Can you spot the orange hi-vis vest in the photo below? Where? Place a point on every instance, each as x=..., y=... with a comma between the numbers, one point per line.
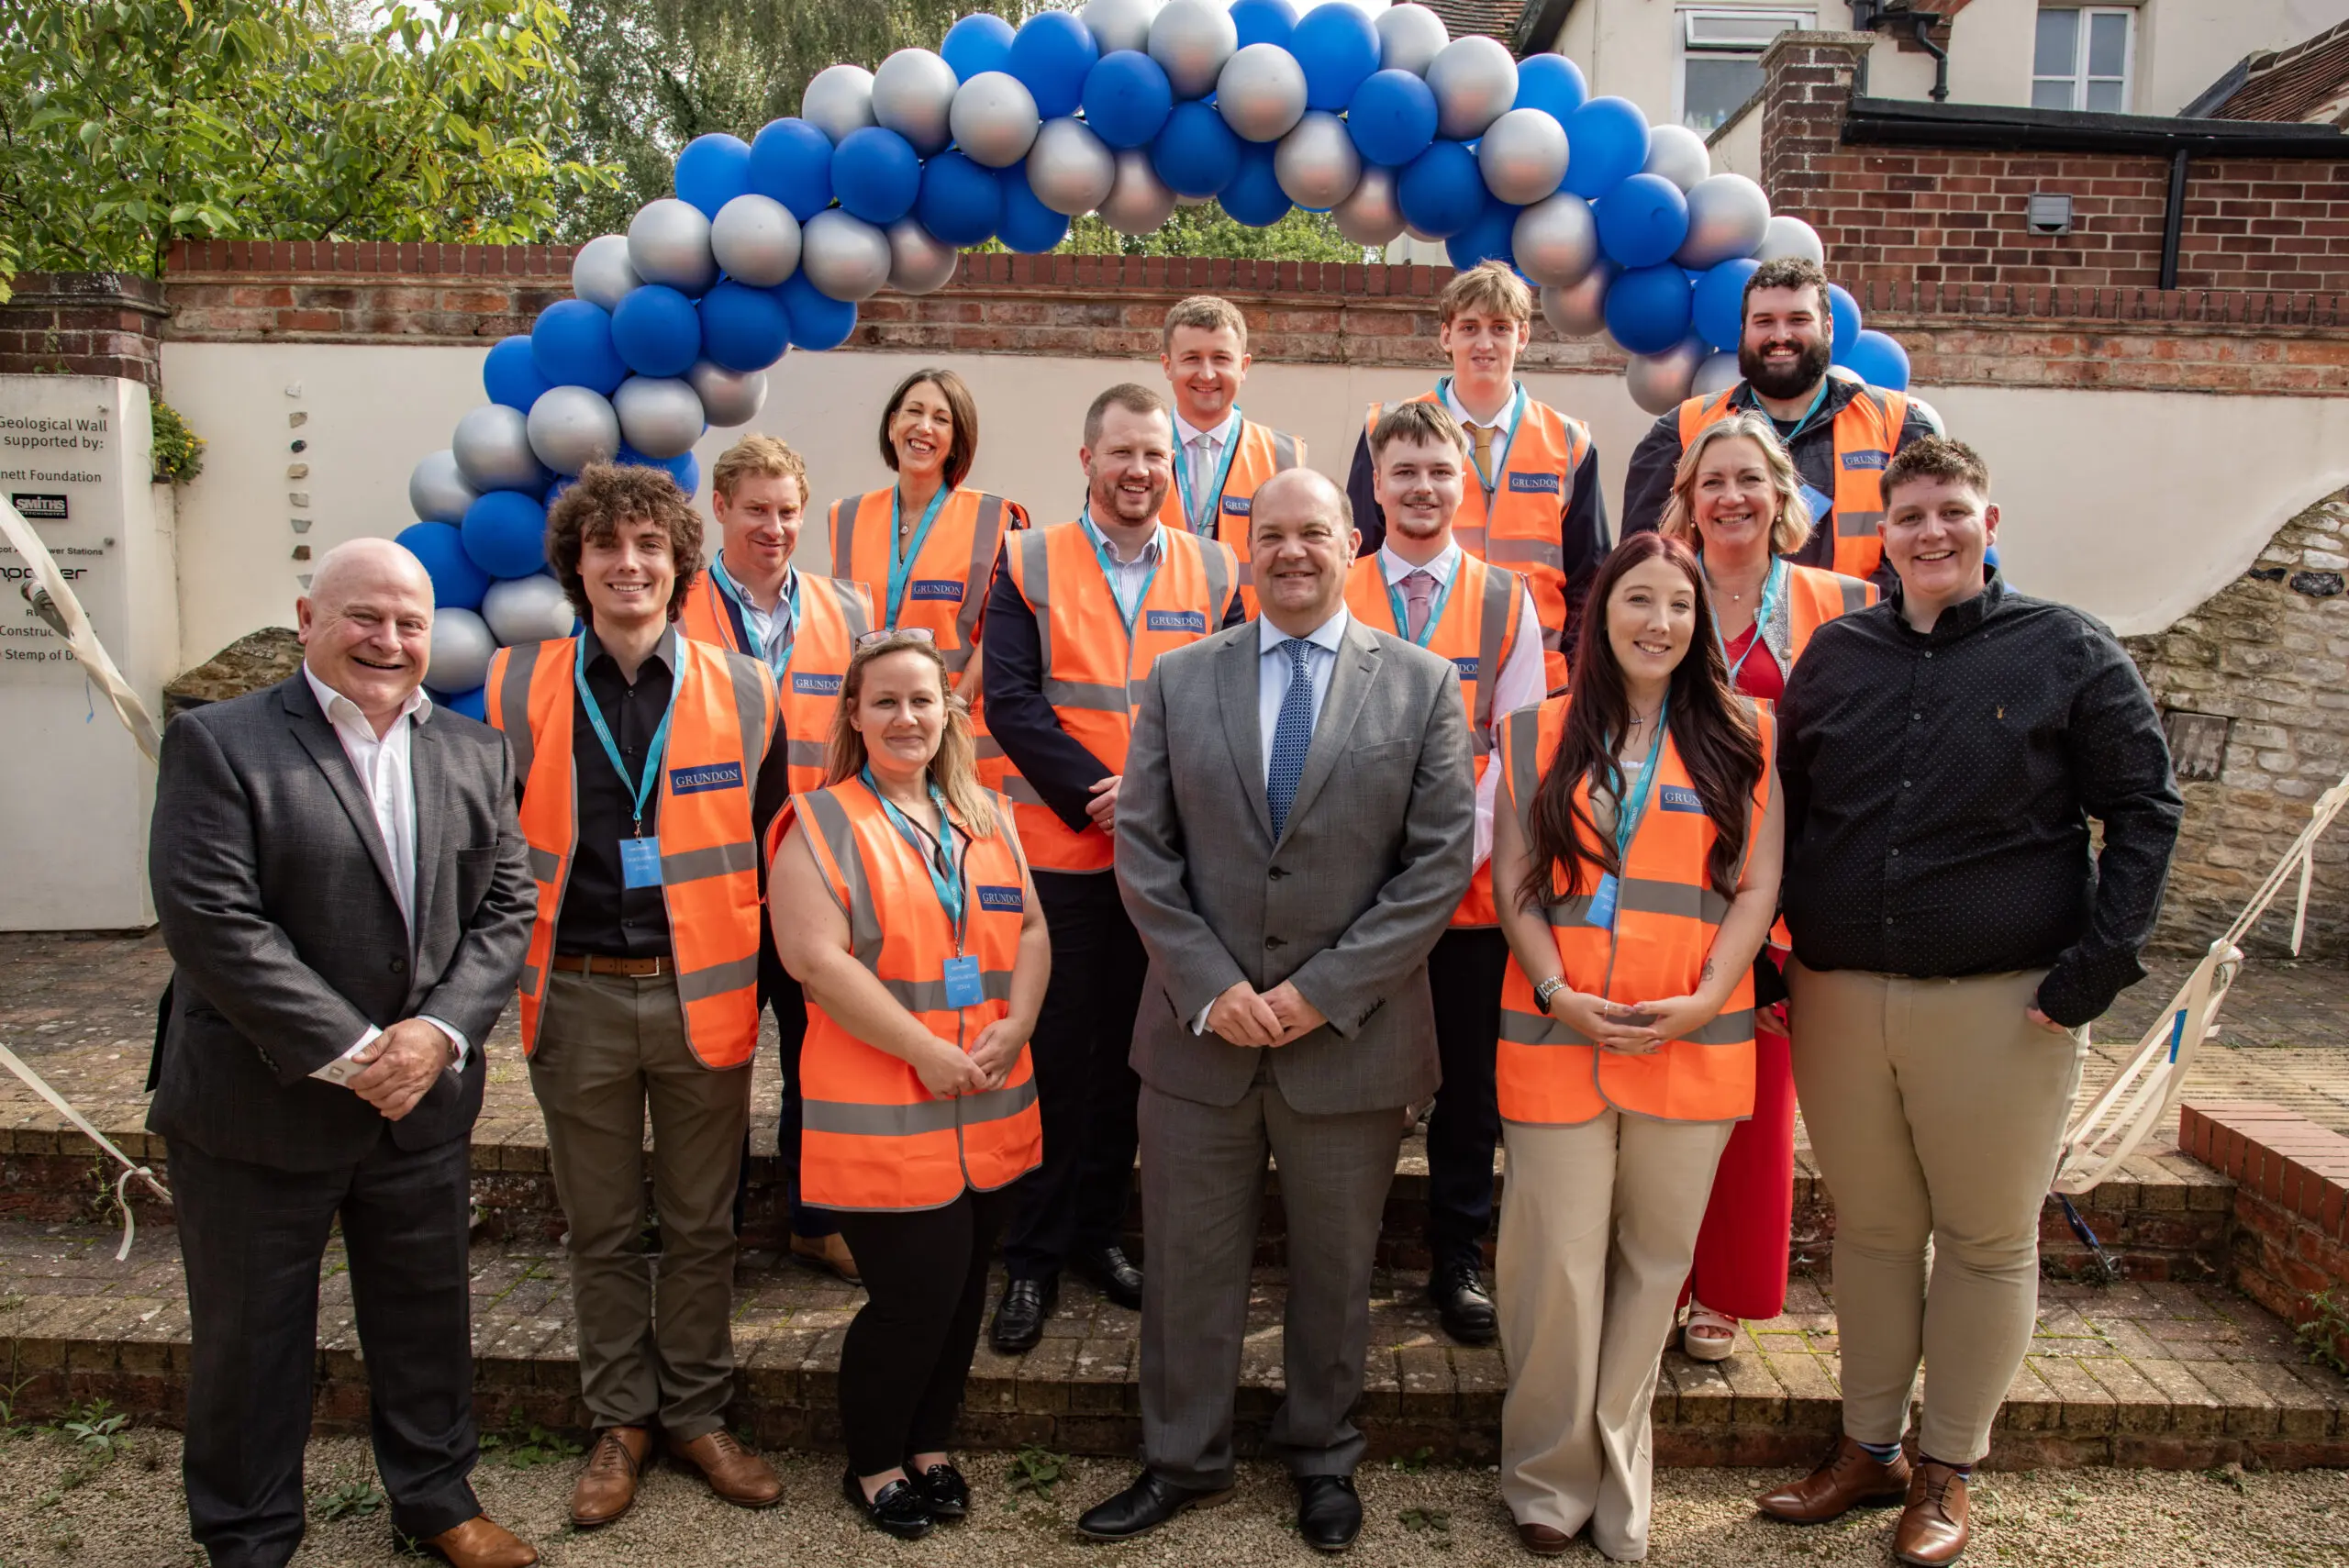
x=719, y=732
x=1094, y=667
x=1478, y=631
x=872, y=1137
x=1668, y=915
x=1815, y=597
x=1516, y=523
x=1866, y=432
x=833, y=613
x=1259, y=453
x=947, y=587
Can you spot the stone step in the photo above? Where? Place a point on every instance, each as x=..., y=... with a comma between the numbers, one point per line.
x=2152, y=1374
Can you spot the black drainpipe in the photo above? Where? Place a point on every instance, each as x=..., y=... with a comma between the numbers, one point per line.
x=2174, y=219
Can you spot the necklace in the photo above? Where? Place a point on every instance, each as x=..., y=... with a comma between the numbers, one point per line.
x=1739, y=598
x=1639, y=721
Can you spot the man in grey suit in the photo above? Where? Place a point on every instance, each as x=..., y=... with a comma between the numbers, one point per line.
x=1289, y=865
x=344, y=890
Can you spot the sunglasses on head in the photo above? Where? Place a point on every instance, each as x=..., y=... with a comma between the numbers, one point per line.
x=919, y=633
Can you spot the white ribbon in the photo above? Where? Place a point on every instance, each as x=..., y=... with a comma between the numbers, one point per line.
x=130, y=1168
x=75, y=626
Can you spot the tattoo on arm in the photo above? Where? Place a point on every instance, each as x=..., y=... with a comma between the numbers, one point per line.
x=1707, y=974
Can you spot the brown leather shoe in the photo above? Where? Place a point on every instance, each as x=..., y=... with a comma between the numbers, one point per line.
x=1933, y=1526
x=733, y=1471
x=829, y=1255
x=1544, y=1541
x=606, y=1487
x=480, y=1542
x=1849, y=1478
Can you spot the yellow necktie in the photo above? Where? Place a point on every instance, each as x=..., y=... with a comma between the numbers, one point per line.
x=1484, y=437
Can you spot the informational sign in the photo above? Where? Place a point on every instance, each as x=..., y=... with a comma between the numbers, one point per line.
x=60, y=464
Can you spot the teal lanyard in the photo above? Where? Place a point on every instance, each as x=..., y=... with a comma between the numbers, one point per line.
x=1435, y=610
x=1490, y=482
x=1108, y=560
x=938, y=858
x=1771, y=583
x=641, y=788
x=1825, y=383
x=732, y=590
x=901, y=566
x=1200, y=522
x=1628, y=813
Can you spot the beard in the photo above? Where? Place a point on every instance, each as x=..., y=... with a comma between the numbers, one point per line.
x=1788, y=383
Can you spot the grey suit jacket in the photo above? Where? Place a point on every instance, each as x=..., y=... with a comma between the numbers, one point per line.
x=1346, y=904
x=273, y=888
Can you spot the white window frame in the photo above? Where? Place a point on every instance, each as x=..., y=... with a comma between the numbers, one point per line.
x=1687, y=46
x=2078, y=81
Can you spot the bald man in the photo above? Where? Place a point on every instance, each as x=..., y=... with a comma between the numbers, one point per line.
x=345, y=892
x=1289, y=866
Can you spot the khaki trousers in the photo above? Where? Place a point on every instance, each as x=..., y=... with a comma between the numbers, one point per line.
x=1599, y=1223
x=1936, y=1110
x=655, y=1345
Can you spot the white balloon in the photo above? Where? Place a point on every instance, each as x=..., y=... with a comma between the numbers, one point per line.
x=1579, y=310
x=1719, y=373
x=1070, y=169
x=727, y=398
x=1370, y=214
x=846, y=258
x=1522, y=156
x=1660, y=383
x=1260, y=93
x=668, y=242
x=1191, y=39
x=492, y=446
x=601, y=274
x=1557, y=241
x=1845, y=373
x=1317, y=164
x=1927, y=414
x=571, y=427
x=912, y=93
x=1790, y=236
x=1409, y=38
x=437, y=490
x=1678, y=153
x=839, y=100
x=1474, y=81
x=1139, y=202
x=993, y=119
x=659, y=415
x=756, y=239
x=460, y=650
x=1119, y=24
x=1728, y=215
x=919, y=262
x=523, y=610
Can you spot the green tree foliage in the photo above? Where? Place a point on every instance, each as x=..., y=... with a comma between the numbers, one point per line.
x=128, y=124
x=1208, y=230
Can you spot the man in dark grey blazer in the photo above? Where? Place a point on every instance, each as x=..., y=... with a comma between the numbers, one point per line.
x=344, y=890
x=1289, y=865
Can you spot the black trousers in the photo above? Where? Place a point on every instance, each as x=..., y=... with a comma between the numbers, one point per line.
x=781, y=992
x=1465, y=974
x=252, y=1239
x=1086, y=1087
x=908, y=1352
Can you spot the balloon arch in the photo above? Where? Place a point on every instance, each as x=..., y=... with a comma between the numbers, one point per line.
x=1127, y=108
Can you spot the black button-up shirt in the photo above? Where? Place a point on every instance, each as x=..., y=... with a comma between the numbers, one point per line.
x=1939, y=786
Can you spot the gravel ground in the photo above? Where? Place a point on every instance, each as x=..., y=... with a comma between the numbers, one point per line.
x=60, y=1503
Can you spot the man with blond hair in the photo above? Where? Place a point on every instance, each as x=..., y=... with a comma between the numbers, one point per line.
x=1221, y=457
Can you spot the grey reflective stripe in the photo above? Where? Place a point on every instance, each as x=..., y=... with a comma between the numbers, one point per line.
x=1283, y=449
x=1645, y=895
x=1218, y=580
x=1537, y=1029
x=749, y=677
x=721, y=860
x=1021, y=791
x=1856, y=595
x=987, y=748
x=805, y=753
x=1520, y=738
x=1726, y=1029
x=1247, y=575
x=532, y=975
x=1856, y=525
x=844, y=536
x=923, y=1116
x=1085, y=694
x=513, y=706
x=851, y=607
x=1491, y=628
x=929, y=995
x=1470, y=537
x=1035, y=586
x=545, y=864
x=1527, y=553
x=718, y=978
x=839, y=838
x=1572, y=910
x=986, y=533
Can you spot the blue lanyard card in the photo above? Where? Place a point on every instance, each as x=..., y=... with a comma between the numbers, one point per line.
x=962, y=987
x=639, y=863
x=1602, y=903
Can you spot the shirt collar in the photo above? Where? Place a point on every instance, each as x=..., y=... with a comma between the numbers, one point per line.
x=1150, y=550
x=664, y=653
x=733, y=590
x=1327, y=634
x=1185, y=432
x=1452, y=405
x=1442, y=568
x=340, y=709
x=1958, y=619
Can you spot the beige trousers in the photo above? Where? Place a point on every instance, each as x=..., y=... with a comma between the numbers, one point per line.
x=1936, y=1109
x=1599, y=1223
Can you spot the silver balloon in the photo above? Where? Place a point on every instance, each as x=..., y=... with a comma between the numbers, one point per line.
x=1070, y=169
x=1678, y=153
x=601, y=274
x=1927, y=414
x=1718, y=373
x=460, y=650
x=668, y=242
x=1316, y=163
x=1845, y=373
x=844, y=257
x=1728, y=215
x=1660, y=383
x=523, y=610
x=1191, y=39
x=492, y=446
x=1557, y=241
x=660, y=415
x=1119, y=24
x=1409, y=38
x=993, y=119
x=727, y=398
x=756, y=239
x=1182, y=200
x=919, y=262
x=1523, y=156
x=1138, y=203
x=1421, y=235
x=1579, y=310
x=572, y=427
x=1790, y=237
x=437, y=490
x=838, y=100
x=1260, y=93
x=912, y=93
x=1370, y=214
x=1474, y=81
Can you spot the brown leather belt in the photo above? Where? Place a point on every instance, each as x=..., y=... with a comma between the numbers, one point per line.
x=627, y=968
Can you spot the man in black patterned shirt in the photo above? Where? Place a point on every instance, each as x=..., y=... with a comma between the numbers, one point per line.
x=1941, y=754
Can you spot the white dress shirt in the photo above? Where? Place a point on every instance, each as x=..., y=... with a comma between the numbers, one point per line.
x=1272, y=674
x=1202, y=453
x=1503, y=437
x=1128, y=580
x=770, y=630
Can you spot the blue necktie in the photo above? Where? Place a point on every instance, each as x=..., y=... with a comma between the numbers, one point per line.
x=1292, y=735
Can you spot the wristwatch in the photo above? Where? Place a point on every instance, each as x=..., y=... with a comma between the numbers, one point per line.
x=1549, y=988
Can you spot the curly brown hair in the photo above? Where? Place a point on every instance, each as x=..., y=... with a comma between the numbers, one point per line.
x=606, y=495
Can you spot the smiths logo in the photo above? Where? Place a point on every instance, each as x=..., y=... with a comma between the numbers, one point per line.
x=938, y=589
x=1533, y=483
x=1237, y=506
x=815, y=685
x=1863, y=459
x=1678, y=799
x=700, y=781
x=1003, y=900
x=1176, y=620
x=1467, y=667
x=40, y=508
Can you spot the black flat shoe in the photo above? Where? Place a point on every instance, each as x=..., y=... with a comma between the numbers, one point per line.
x=943, y=1491
x=1463, y=1305
x=1019, y=1316
x=897, y=1509
x=1110, y=1268
x=1143, y=1506
x=1329, y=1514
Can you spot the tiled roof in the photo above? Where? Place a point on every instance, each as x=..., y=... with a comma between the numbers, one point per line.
x=2309, y=82
x=1494, y=18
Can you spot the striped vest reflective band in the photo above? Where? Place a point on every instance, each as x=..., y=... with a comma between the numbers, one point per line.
x=947, y=590
x=1092, y=668
x=1478, y=634
x=1866, y=431
x=1815, y=597
x=1666, y=918
x=710, y=870
x=1262, y=453
x=872, y=1137
x=833, y=613
x=1530, y=498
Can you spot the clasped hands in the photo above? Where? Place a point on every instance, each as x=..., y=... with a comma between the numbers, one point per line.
x=1606, y=1024
x=401, y=1066
x=946, y=1072
x=1245, y=1015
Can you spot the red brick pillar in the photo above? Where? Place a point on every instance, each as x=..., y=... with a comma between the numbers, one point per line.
x=84, y=324
x=1806, y=87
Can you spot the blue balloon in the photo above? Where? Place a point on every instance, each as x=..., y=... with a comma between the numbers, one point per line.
x=657, y=331
x=743, y=329
x=1552, y=84
x=473, y=705
x=1194, y=153
x=1338, y=46
x=792, y=161
x=571, y=343
x=713, y=170
x=1051, y=55
x=1264, y=21
x=682, y=468
x=510, y=377
x=877, y=174
x=1847, y=312
x=960, y=202
x=1647, y=308
x=1254, y=195
x=1442, y=191
x=505, y=534
x=1027, y=226
x=1878, y=360
x=978, y=43
x=1488, y=238
x=817, y=320
x=1392, y=117
x=457, y=582
x=1720, y=304
x=1126, y=98
x=1642, y=220
x=1609, y=139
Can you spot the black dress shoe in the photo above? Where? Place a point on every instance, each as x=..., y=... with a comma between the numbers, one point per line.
x=1329, y=1514
x=1110, y=1268
x=896, y=1509
x=1019, y=1316
x=1460, y=1301
x=942, y=1488
x=1150, y=1502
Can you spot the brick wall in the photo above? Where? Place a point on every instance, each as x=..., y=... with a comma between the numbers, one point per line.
x=84, y=324
x=2291, y=1240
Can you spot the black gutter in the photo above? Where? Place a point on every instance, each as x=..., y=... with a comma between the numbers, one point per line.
x=1894, y=122
x=1538, y=26
x=2174, y=218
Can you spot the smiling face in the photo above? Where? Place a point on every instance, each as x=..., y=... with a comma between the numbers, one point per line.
x=1301, y=547
x=901, y=711
x=921, y=430
x=1419, y=484
x=1935, y=533
x=1130, y=467
x=1206, y=366
x=1651, y=620
x=760, y=521
x=1482, y=346
x=1787, y=341
x=366, y=625
x=629, y=575
x=1732, y=496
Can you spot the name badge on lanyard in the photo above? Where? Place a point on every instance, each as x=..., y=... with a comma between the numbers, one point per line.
x=639, y=863
x=962, y=987
x=640, y=854
x=1605, y=897
x=1200, y=511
